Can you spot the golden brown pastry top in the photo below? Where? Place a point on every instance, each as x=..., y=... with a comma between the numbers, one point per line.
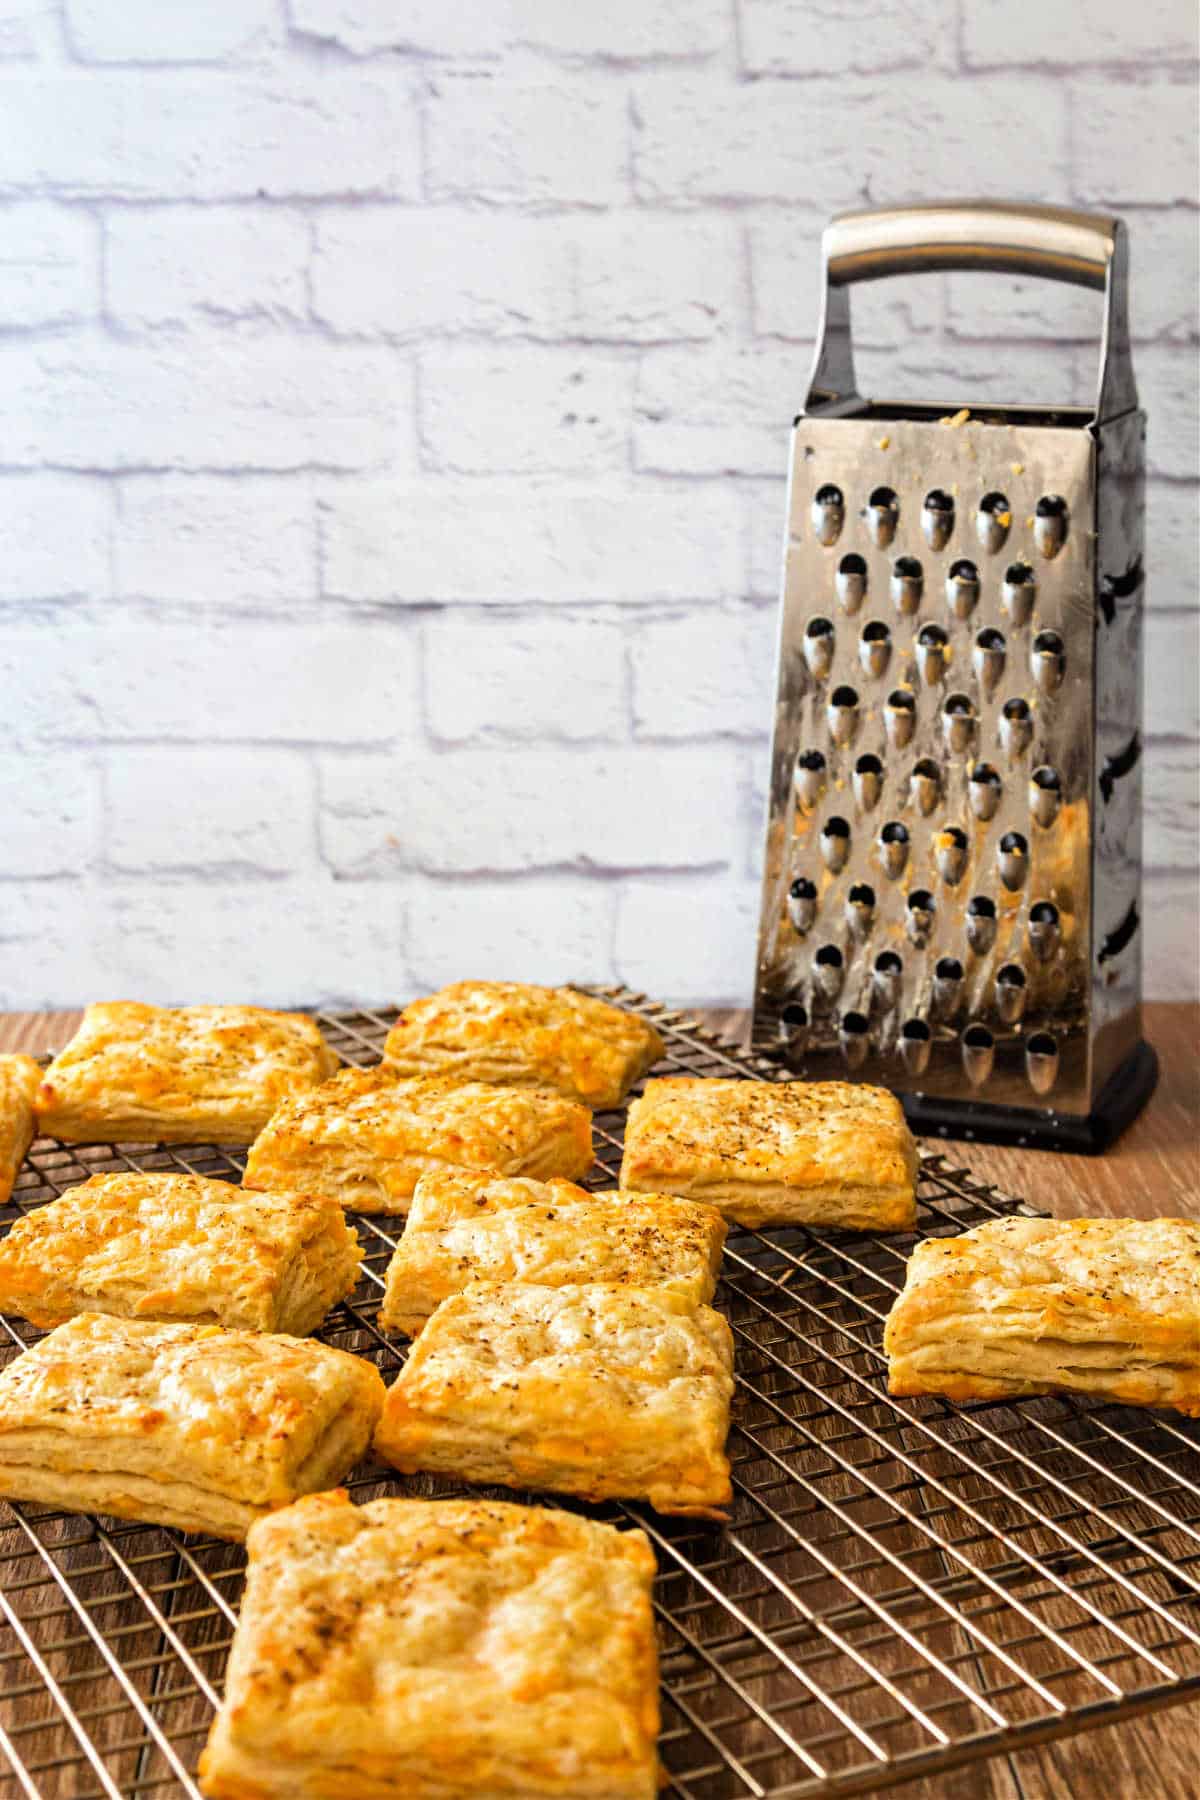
x=465, y=1226
x=623, y=1390
x=160, y=1246
x=19, y=1080
x=510, y=1032
x=175, y=1070
x=425, y=1122
x=442, y=1641
x=1079, y=1280
x=238, y=1409
x=20, y=1077
x=795, y=1133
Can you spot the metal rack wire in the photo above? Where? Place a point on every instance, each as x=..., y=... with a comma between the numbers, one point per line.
x=904, y=1586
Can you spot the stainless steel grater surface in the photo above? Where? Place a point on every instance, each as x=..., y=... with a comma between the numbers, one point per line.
x=952, y=887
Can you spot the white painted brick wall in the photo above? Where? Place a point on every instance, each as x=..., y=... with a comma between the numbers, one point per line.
x=393, y=420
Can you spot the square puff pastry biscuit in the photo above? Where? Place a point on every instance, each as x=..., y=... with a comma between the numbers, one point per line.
x=439, y=1650
x=1027, y=1306
x=466, y=1227
x=776, y=1153
x=178, y=1075
x=366, y=1136
x=508, y=1032
x=180, y=1247
x=604, y=1392
x=19, y=1081
x=182, y=1425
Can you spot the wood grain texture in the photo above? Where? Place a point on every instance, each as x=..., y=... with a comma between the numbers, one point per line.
x=1154, y=1170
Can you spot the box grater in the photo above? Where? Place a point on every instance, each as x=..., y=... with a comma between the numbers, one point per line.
x=952, y=884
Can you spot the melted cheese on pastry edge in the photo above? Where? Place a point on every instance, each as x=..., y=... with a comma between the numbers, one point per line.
x=163, y=1246
x=19, y=1081
x=515, y=1034
x=506, y=1650
x=249, y=1418
x=190, y=1074
x=368, y=1135
x=590, y=1390
x=1103, y=1306
x=827, y=1152
x=468, y=1227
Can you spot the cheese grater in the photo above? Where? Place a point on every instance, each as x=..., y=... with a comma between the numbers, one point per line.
x=952, y=884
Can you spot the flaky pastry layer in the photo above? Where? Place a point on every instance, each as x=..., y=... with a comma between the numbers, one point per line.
x=439, y=1650
x=466, y=1227
x=1028, y=1306
x=19, y=1081
x=178, y=1075
x=368, y=1135
x=515, y=1034
x=155, y=1246
x=184, y=1425
x=788, y=1152
x=590, y=1390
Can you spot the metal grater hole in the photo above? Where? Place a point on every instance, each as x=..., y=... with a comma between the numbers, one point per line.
x=1045, y=794
x=883, y=514
x=937, y=518
x=1045, y=930
x=868, y=781
x=829, y=971
x=1016, y=726
x=874, y=647
x=828, y=513
x=802, y=904
x=958, y=723
x=842, y=714
x=835, y=844
x=950, y=854
x=1012, y=860
x=915, y=1045
x=793, y=1022
x=1018, y=592
x=853, y=1039
x=978, y=1054
x=919, y=909
x=899, y=717
x=886, y=977
x=1048, y=661
x=985, y=791
x=1050, y=524
x=993, y=521
x=962, y=588
x=925, y=785
x=947, y=986
x=851, y=582
x=981, y=923
x=893, y=846
x=988, y=657
x=1012, y=991
x=932, y=653
x=860, y=909
x=908, y=584
x=808, y=778
x=818, y=647
x=1041, y=1062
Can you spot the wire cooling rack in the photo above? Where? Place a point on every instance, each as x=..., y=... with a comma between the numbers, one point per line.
x=903, y=1587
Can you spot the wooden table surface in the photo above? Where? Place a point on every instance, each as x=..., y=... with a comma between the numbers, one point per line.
x=1153, y=1170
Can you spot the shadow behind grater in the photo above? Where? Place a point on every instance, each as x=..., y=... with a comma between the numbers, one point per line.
x=952, y=886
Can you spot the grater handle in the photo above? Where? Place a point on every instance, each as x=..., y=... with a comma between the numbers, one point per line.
x=1050, y=242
